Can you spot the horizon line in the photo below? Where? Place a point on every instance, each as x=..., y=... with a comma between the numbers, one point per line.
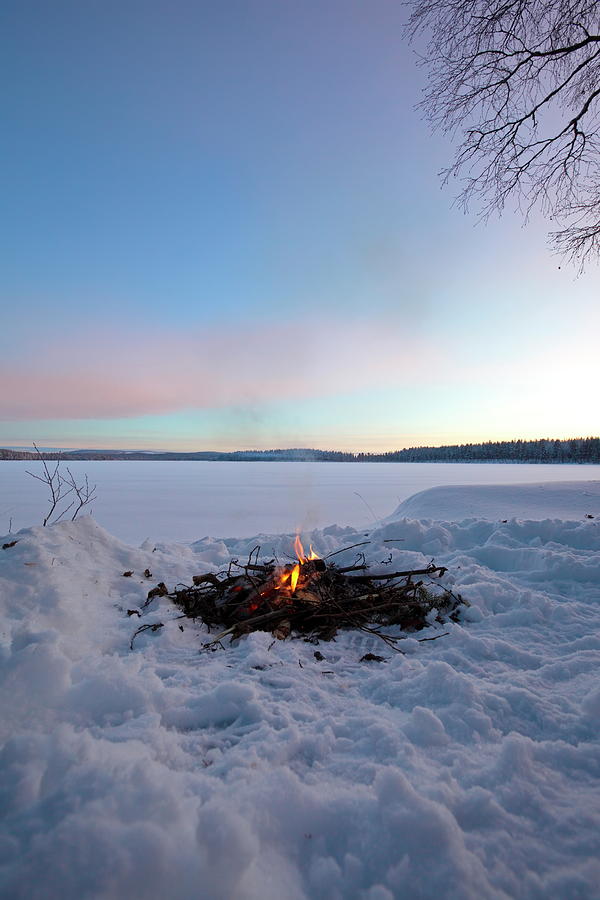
x=58, y=450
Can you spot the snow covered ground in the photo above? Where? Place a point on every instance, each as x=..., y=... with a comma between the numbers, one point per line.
x=465, y=767
x=181, y=501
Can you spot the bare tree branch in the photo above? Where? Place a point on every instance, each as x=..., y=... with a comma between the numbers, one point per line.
x=61, y=487
x=519, y=81
x=84, y=493
x=58, y=489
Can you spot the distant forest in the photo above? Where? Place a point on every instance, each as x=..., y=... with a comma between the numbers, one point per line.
x=545, y=450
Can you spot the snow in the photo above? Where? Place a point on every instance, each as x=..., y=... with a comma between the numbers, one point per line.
x=179, y=501
x=564, y=500
x=465, y=767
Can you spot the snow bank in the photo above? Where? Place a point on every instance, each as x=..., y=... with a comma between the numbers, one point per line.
x=560, y=500
x=466, y=767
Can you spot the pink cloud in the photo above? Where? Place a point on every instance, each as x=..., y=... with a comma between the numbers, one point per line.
x=131, y=374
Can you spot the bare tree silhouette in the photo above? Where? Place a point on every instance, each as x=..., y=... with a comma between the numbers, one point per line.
x=519, y=80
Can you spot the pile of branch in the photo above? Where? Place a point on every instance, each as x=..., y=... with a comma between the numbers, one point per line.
x=250, y=597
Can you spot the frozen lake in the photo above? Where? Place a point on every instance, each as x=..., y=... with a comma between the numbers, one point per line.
x=184, y=501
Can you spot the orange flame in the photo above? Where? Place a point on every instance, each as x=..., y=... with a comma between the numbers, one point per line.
x=301, y=553
x=294, y=577
x=289, y=579
x=285, y=576
x=299, y=548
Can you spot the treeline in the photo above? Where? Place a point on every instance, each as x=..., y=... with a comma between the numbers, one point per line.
x=292, y=455
x=545, y=450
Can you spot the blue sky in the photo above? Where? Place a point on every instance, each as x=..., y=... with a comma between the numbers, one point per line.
x=225, y=229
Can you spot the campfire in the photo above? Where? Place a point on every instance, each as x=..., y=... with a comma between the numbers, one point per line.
x=314, y=598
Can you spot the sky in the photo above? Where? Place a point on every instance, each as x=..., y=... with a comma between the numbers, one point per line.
x=224, y=228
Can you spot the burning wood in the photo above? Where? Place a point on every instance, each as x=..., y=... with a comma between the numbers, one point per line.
x=314, y=598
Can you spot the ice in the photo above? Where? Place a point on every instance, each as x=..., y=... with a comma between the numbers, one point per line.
x=466, y=767
x=184, y=501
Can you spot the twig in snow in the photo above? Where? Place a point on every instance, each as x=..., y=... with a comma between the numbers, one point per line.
x=155, y=627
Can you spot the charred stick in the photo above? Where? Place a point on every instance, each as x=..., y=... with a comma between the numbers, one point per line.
x=209, y=578
x=284, y=613
x=254, y=552
x=430, y=570
x=389, y=604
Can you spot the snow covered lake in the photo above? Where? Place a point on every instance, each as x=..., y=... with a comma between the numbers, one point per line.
x=463, y=768
x=184, y=501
